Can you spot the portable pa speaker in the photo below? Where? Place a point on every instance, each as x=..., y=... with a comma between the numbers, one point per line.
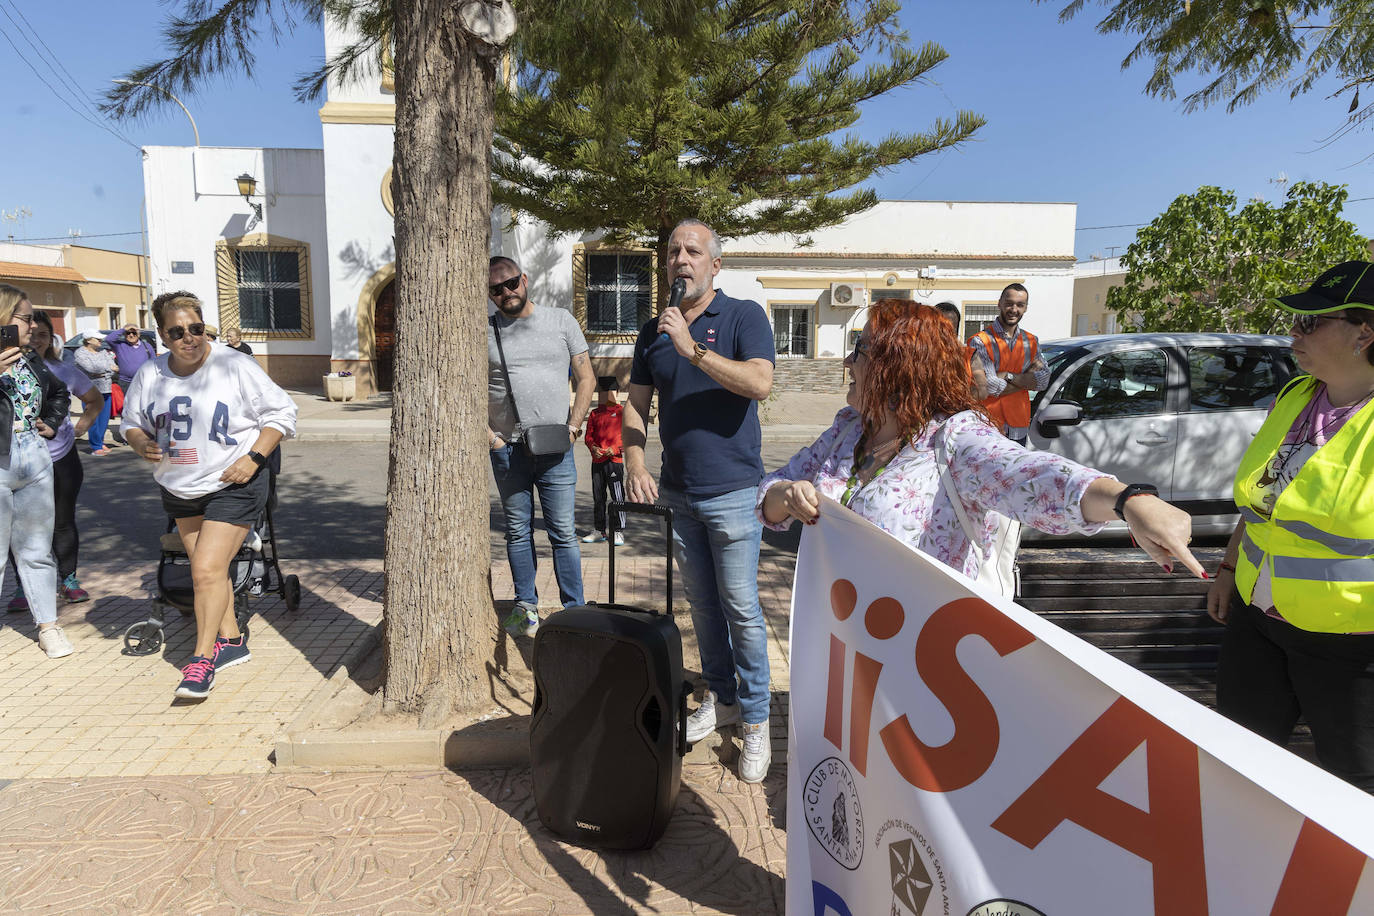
x=610, y=717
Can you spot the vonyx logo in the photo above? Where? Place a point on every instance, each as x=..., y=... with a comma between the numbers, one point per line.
x=833, y=812
x=595, y=828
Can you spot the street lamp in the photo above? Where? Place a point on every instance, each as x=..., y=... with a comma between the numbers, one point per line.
x=169, y=95
x=247, y=185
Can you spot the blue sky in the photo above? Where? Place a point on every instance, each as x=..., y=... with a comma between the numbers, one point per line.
x=1065, y=123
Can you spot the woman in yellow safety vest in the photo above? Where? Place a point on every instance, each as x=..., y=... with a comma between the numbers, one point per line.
x=1296, y=589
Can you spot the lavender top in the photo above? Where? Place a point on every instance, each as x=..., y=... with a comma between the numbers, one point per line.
x=991, y=473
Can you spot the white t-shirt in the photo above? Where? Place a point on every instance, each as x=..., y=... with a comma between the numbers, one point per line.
x=207, y=420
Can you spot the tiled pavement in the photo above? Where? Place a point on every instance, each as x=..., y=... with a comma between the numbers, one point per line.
x=115, y=799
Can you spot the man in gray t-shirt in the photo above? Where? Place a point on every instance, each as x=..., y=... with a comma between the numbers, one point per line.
x=539, y=345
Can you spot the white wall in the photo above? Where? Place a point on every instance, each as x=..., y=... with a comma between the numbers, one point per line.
x=42, y=255
x=192, y=201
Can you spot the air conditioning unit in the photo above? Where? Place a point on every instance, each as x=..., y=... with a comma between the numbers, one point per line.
x=847, y=295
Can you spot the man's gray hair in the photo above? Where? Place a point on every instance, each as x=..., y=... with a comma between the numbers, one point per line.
x=714, y=246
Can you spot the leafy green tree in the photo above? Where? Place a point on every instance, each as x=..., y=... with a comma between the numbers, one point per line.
x=440, y=632
x=731, y=112
x=1203, y=265
x=1247, y=47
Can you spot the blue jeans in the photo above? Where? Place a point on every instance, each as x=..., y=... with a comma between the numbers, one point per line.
x=555, y=477
x=26, y=522
x=716, y=545
x=96, y=434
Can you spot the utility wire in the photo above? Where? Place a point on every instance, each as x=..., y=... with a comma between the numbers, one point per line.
x=60, y=97
x=70, y=238
x=53, y=62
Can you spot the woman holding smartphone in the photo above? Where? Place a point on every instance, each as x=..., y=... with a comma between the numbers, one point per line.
x=33, y=405
x=208, y=417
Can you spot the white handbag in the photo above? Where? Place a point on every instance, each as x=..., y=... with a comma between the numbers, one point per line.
x=997, y=569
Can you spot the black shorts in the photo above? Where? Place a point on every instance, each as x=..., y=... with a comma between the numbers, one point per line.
x=236, y=504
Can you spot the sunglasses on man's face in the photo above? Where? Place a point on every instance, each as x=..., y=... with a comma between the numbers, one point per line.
x=510, y=285
x=1307, y=324
x=178, y=332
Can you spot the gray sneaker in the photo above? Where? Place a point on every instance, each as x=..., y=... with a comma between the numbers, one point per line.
x=710, y=716
x=54, y=642
x=758, y=753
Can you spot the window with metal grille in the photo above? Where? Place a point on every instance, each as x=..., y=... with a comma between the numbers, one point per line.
x=619, y=292
x=978, y=317
x=269, y=287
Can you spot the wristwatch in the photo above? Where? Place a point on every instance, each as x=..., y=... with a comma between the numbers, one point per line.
x=258, y=458
x=1132, y=489
x=700, y=354
x=575, y=430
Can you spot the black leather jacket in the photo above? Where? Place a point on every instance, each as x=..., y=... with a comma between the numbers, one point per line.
x=56, y=402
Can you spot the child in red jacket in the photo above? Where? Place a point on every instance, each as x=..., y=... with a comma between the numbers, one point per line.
x=608, y=458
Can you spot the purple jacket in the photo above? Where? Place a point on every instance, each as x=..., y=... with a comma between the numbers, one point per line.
x=128, y=356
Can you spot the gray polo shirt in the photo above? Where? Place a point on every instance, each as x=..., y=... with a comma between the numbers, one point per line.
x=539, y=350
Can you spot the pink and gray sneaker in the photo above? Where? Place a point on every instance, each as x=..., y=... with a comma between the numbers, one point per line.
x=229, y=653
x=197, y=678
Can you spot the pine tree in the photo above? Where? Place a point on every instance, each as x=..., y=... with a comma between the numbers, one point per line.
x=732, y=113
x=1247, y=47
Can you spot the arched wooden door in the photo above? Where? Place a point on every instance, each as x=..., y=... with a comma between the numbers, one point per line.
x=384, y=335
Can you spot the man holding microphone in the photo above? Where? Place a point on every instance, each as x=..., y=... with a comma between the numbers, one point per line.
x=711, y=360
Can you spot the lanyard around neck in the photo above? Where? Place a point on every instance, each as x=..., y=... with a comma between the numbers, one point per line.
x=852, y=488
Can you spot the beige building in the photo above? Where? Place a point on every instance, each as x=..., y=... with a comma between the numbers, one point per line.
x=1091, y=280
x=83, y=289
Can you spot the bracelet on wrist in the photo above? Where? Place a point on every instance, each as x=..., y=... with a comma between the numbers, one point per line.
x=1226, y=566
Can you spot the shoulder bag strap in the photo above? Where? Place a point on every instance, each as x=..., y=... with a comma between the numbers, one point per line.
x=510, y=387
x=947, y=481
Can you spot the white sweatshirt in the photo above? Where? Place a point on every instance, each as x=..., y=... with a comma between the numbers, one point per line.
x=207, y=420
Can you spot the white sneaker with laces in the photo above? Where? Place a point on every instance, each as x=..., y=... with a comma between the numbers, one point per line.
x=54, y=642
x=595, y=537
x=619, y=539
x=758, y=753
x=710, y=716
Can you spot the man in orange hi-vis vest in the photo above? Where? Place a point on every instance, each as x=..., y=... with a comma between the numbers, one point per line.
x=1011, y=360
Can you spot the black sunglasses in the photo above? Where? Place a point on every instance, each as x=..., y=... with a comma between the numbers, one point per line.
x=178, y=332
x=1306, y=324
x=512, y=284
x=859, y=347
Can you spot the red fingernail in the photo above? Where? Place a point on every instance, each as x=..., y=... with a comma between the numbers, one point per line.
x=1168, y=568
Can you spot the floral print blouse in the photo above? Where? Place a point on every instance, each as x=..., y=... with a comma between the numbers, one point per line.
x=991, y=473
x=24, y=390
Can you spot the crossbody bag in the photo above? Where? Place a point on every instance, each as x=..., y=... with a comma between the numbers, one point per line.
x=538, y=441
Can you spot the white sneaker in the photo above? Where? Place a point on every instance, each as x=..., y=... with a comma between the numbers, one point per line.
x=758, y=753
x=596, y=537
x=709, y=716
x=54, y=642
x=619, y=539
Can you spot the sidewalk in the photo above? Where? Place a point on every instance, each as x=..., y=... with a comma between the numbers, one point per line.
x=114, y=798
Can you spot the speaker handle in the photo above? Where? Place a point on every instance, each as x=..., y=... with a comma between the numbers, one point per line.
x=682, y=696
x=613, y=509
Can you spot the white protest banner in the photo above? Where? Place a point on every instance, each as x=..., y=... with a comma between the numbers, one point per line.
x=953, y=754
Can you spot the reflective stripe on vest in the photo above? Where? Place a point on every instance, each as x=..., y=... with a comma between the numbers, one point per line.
x=1319, y=540
x=1010, y=408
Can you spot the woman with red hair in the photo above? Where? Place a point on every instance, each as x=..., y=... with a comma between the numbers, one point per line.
x=909, y=398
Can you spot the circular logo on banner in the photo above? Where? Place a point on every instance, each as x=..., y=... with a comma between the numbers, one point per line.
x=919, y=885
x=1004, y=908
x=833, y=812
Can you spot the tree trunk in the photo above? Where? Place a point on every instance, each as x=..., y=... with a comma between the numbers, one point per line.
x=661, y=266
x=440, y=624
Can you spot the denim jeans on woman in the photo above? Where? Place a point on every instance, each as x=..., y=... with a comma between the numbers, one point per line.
x=555, y=477
x=96, y=434
x=26, y=522
x=716, y=545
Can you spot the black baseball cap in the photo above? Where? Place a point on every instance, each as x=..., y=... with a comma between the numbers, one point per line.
x=1346, y=285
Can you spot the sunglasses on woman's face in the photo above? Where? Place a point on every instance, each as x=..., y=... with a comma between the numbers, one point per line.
x=511, y=285
x=178, y=332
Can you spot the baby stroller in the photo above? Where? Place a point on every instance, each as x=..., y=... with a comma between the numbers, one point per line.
x=253, y=572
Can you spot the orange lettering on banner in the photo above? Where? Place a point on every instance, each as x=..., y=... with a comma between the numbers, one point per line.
x=1321, y=876
x=834, y=694
x=971, y=751
x=866, y=672
x=1169, y=835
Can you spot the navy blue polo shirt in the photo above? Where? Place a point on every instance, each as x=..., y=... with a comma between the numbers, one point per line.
x=711, y=437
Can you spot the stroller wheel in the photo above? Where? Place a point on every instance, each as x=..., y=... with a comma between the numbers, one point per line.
x=291, y=592
x=142, y=639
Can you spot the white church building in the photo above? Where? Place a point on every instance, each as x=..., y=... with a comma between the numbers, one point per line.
x=304, y=263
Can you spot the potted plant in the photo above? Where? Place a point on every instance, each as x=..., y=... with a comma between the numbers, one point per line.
x=340, y=386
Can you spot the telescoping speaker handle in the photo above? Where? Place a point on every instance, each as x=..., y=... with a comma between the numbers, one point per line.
x=614, y=509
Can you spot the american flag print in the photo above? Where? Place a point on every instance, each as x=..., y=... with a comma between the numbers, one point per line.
x=183, y=456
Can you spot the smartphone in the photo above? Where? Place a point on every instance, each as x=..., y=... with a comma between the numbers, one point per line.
x=9, y=336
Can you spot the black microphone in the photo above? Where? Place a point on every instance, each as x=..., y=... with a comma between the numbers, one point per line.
x=675, y=295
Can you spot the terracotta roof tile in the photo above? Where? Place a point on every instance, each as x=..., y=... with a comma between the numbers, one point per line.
x=11, y=270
